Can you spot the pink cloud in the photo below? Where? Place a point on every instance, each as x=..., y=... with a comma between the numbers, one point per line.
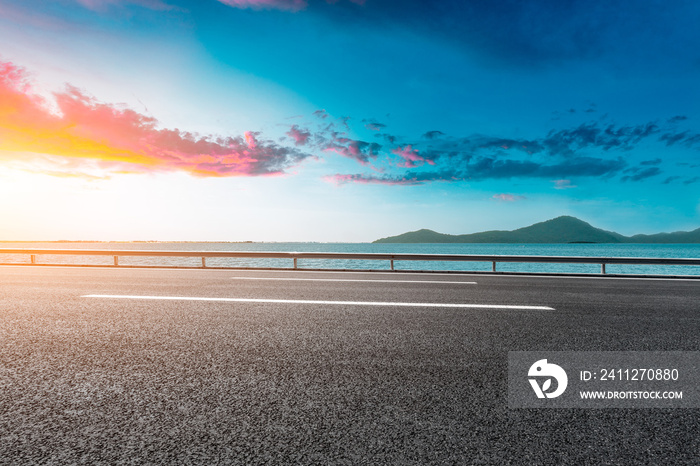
x=410, y=156
x=341, y=179
x=360, y=151
x=374, y=126
x=120, y=138
x=300, y=136
x=101, y=5
x=250, y=139
x=508, y=197
x=288, y=5
x=563, y=184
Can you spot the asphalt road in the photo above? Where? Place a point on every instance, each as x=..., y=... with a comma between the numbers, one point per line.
x=133, y=381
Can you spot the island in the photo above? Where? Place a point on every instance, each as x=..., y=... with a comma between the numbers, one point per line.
x=564, y=229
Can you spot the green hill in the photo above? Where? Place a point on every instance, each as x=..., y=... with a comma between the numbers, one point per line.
x=563, y=229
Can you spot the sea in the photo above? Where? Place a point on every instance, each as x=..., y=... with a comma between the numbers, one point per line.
x=585, y=250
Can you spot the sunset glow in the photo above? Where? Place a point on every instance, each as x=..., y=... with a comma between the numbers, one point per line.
x=121, y=139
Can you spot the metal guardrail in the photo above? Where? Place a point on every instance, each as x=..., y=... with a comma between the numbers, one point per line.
x=294, y=256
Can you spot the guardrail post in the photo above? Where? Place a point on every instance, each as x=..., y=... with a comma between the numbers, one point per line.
x=204, y=262
x=295, y=262
x=493, y=266
x=392, y=264
x=33, y=257
x=116, y=261
x=602, y=268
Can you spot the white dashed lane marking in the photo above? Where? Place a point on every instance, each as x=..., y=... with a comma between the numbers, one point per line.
x=341, y=303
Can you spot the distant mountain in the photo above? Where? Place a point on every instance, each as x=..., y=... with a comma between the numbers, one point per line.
x=677, y=237
x=563, y=229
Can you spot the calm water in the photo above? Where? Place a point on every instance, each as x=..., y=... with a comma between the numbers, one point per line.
x=589, y=250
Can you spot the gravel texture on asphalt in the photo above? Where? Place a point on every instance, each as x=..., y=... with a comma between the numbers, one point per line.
x=99, y=381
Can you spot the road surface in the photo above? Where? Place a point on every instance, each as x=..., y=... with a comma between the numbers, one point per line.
x=274, y=367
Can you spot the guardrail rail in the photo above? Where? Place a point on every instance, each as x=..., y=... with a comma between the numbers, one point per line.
x=391, y=258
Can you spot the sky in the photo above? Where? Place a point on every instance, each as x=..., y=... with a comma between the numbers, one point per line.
x=345, y=120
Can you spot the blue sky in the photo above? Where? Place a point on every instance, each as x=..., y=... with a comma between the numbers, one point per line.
x=350, y=120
